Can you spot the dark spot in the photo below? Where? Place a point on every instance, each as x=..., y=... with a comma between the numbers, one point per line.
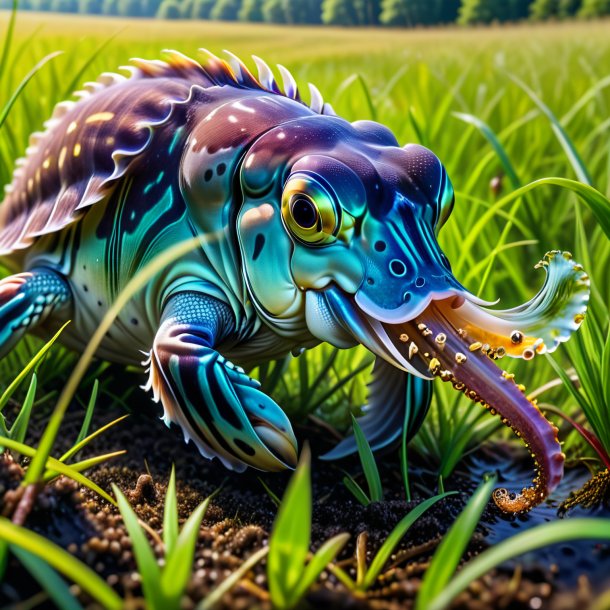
x=380, y=246
x=134, y=321
x=516, y=337
x=208, y=175
x=304, y=212
x=85, y=288
x=220, y=170
x=259, y=242
x=419, y=282
x=84, y=267
x=406, y=297
x=244, y=446
x=398, y=268
x=99, y=303
x=261, y=405
x=370, y=281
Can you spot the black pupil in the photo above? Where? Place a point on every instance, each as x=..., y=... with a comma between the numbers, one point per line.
x=304, y=213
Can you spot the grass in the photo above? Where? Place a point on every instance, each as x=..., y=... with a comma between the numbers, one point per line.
x=367, y=575
x=524, y=140
x=164, y=586
x=369, y=468
x=291, y=568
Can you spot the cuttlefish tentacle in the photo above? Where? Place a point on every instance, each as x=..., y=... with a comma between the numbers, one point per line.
x=538, y=326
x=457, y=340
x=474, y=374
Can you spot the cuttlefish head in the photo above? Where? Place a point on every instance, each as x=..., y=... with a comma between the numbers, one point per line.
x=354, y=235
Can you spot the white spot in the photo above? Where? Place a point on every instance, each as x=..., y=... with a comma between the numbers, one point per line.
x=281, y=135
x=240, y=106
x=250, y=160
x=232, y=118
x=258, y=215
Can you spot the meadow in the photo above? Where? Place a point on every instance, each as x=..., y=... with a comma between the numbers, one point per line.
x=520, y=117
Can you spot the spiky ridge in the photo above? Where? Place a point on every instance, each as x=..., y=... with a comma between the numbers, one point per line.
x=232, y=72
x=27, y=213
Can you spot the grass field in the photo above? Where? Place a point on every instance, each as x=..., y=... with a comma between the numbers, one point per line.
x=501, y=107
x=428, y=86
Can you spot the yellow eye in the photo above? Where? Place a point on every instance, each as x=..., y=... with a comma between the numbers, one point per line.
x=309, y=211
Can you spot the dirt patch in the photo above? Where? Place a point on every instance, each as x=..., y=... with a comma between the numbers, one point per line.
x=240, y=518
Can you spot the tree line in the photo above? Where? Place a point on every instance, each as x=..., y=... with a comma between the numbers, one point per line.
x=398, y=13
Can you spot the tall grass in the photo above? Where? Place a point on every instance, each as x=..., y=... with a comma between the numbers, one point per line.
x=492, y=106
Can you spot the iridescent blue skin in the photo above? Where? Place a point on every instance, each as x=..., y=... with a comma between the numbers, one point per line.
x=314, y=229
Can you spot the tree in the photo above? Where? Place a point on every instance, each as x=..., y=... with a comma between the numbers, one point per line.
x=274, y=11
x=201, y=9
x=110, y=7
x=251, y=10
x=90, y=7
x=568, y=8
x=446, y=11
x=130, y=8
x=476, y=11
x=339, y=12
x=368, y=11
x=64, y=6
x=303, y=11
x=594, y=8
x=543, y=9
x=169, y=9
x=225, y=10
x=394, y=12
x=518, y=9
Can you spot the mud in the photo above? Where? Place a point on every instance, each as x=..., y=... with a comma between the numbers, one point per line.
x=240, y=518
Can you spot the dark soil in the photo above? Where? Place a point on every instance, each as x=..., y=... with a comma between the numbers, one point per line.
x=239, y=519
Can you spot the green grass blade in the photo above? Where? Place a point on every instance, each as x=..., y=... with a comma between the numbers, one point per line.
x=76, y=80
x=170, y=515
x=62, y=561
x=602, y=83
x=55, y=465
x=145, y=558
x=23, y=84
x=290, y=537
x=8, y=38
x=396, y=535
x=85, y=441
x=495, y=143
x=270, y=492
x=369, y=466
x=525, y=542
x=28, y=367
x=84, y=431
x=595, y=201
x=178, y=563
x=20, y=425
x=214, y=597
x=404, y=452
x=566, y=143
x=356, y=490
x=324, y=555
x=48, y=579
x=86, y=464
x=450, y=551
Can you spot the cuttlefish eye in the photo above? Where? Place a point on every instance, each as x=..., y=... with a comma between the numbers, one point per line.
x=310, y=211
x=304, y=212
